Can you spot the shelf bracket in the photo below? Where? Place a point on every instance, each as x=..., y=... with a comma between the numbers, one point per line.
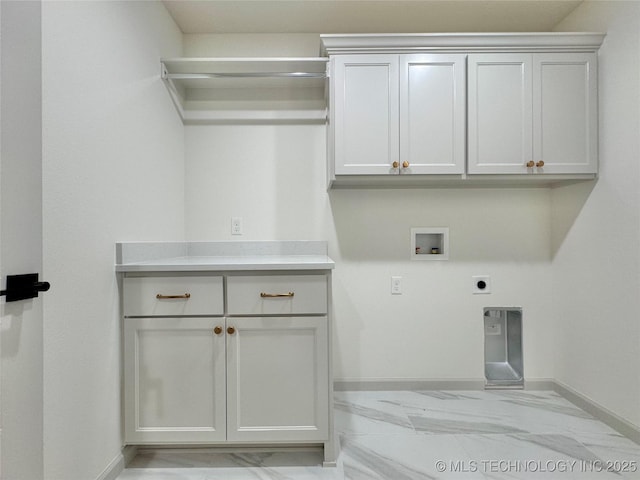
x=173, y=91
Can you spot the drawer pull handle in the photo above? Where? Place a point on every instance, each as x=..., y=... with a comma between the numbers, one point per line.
x=164, y=297
x=276, y=295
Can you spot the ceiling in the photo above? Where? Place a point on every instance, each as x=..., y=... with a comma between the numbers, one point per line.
x=367, y=16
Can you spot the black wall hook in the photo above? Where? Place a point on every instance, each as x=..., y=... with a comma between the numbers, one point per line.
x=23, y=287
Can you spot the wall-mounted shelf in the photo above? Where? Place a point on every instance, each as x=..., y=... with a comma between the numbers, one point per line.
x=281, y=89
x=430, y=243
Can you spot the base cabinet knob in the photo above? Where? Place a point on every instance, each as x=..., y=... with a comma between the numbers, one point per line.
x=231, y=330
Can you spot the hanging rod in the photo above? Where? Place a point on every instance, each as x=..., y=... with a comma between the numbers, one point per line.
x=205, y=76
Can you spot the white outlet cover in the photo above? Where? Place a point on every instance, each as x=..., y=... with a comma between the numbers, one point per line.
x=236, y=225
x=477, y=279
x=396, y=285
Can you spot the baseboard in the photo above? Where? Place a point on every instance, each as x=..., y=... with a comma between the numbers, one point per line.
x=372, y=384
x=129, y=452
x=341, y=385
x=603, y=414
x=116, y=466
x=539, y=384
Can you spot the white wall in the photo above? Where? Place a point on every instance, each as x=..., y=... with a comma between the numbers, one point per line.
x=274, y=177
x=21, y=238
x=596, y=234
x=252, y=45
x=113, y=171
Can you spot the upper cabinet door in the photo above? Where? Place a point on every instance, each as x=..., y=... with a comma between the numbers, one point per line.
x=500, y=113
x=565, y=104
x=432, y=113
x=365, y=114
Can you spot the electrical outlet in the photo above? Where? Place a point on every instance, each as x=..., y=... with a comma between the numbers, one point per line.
x=236, y=225
x=481, y=284
x=396, y=285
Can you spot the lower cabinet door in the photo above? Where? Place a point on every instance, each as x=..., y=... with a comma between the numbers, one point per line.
x=174, y=380
x=277, y=379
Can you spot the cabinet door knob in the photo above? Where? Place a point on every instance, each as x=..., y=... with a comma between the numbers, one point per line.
x=217, y=330
x=395, y=164
x=530, y=164
x=405, y=164
x=231, y=330
x=540, y=164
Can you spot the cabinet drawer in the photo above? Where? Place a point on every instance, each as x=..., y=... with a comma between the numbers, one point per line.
x=173, y=296
x=276, y=294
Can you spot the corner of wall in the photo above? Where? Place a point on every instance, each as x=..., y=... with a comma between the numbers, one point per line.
x=596, y=229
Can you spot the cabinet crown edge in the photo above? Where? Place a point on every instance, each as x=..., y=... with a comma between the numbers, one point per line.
x=333, y=44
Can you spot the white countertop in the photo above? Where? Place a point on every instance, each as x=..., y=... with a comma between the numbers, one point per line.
x=257, y=262
x=221, y=256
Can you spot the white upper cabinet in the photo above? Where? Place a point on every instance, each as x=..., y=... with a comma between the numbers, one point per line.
x=565, y=112
x=533, y=113
x=485, y=109
x=432, y=113
x=365, y=115
x=500, y=115
x=398, y=114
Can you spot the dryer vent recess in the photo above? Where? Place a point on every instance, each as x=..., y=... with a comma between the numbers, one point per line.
x=503, y=362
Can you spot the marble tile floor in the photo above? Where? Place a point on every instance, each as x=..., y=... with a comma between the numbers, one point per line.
x=424, y=435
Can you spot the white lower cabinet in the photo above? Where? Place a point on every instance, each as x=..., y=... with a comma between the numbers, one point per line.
x=232, y=379
x=175, y=388
x=277, y=387
x=201, y=380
